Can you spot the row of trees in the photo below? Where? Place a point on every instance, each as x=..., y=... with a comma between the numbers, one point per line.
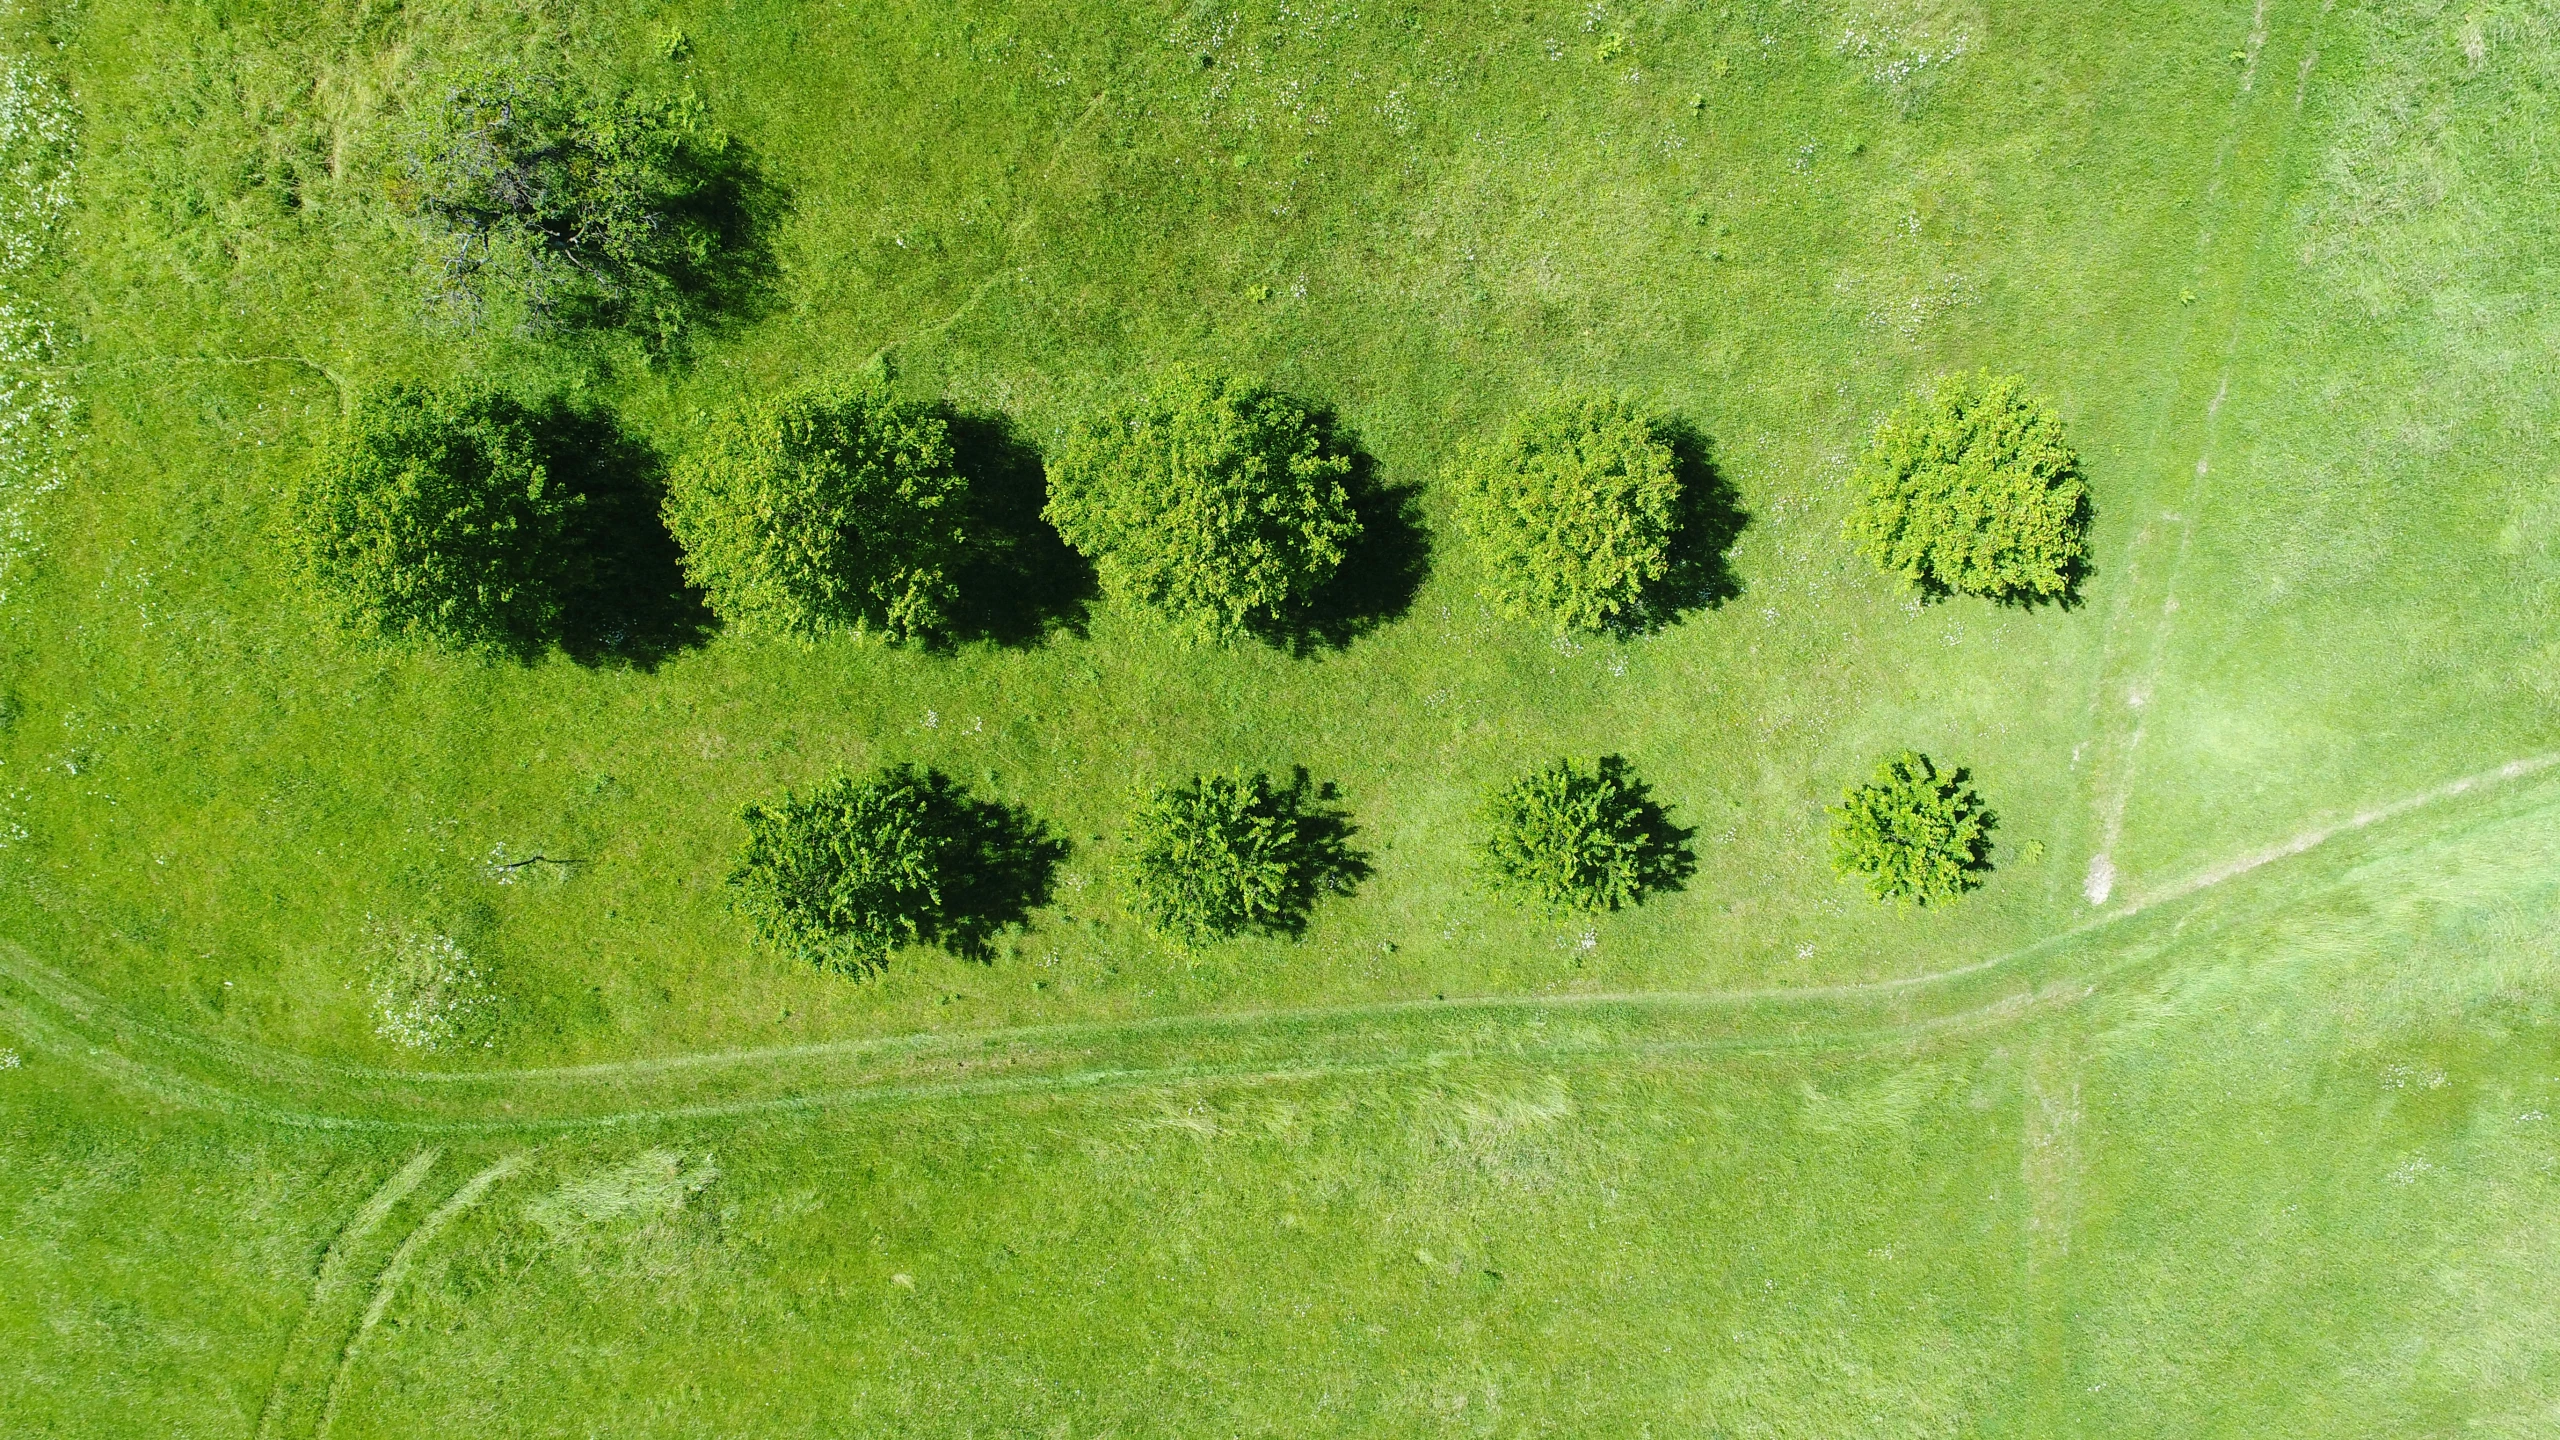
x=843, y=875
x=838, y=507
x=1211, y=501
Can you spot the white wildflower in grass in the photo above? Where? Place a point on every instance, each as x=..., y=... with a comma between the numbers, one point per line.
x=36, y=134
x=426, y=992
x=8, y=1059
x=1904, y=41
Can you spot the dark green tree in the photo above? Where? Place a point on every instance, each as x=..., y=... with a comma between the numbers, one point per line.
x=430, y=513
x=1569, y=838
x=1971, y=488
x=834, y=507
x=1912, y=833
x=1219, y=855
x=1573, y=510
x=855, y=868
x=1206, y=498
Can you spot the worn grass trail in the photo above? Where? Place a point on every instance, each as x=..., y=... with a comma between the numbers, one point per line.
x=306, y=1375
x=55, y=1013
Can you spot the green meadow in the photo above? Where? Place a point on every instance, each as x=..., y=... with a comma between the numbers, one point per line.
x=2220, y=1108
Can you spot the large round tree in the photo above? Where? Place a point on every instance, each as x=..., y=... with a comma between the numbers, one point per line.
x=1972, y=488
x=1206, y=498
x=834, y=507
x=430, y=513
x=1573, y=508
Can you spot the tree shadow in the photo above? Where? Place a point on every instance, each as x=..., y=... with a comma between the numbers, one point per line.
x=1382, y=569
x=1664, y=860
x=1020, y=581
x=624, y=600
x=725, y=210
x=1316, y=851
x=1710, y=521
x=997, y=862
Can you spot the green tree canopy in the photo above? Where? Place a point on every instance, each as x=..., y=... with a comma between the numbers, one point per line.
x=1972, y=488
x=1221, y=854
x=430, y=513
x=1573, y=509
x=1207, y=498
x=1912, y=833
x=858, y=866
x=834, y=507
x=1568, y=837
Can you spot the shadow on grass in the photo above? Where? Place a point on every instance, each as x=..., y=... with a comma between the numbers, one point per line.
x=1710, y=521
x=1020, y=581
x=997, y=865
x=1382, y=569
x=1664, y=860
x=1317, y=852
x=625, y=600
x=726, y=209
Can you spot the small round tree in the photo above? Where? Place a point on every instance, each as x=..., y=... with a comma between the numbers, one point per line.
x=1207, y=498
x=430, y=513
x=1573, y=509
x=832, y=508
x=846, y=873
x=547, y=201
x=1971, y=488
x=1219, y=855
x=1913, y=834
x=1568, y=838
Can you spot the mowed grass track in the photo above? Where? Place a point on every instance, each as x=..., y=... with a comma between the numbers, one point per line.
x=2271, y=1157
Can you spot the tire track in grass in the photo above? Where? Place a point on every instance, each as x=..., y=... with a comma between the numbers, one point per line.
x=386, y=1286
x=315, y=1341
x=2117, y=769
x=296, y=1091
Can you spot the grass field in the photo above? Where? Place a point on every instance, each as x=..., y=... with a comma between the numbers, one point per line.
x=2219, y=1110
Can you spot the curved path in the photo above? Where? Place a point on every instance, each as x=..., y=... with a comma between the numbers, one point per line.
x=52, y=1012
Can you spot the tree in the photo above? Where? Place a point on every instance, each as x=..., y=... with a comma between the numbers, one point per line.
x=1972, y=488
x=1914, y=834
x=1573, y=508
x=1569, y=838
x=857, y=867
x=1207, y=498
x=1222, y=854
x=431, y=513
x=553, y=202
x=834, y=507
